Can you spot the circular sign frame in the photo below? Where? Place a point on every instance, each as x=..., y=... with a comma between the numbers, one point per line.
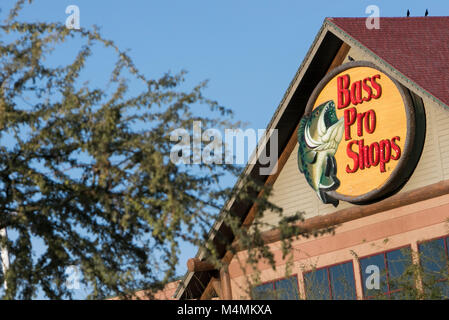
x=412, y=149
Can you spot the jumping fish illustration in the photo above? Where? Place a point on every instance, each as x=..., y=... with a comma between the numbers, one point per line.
x=319, y=135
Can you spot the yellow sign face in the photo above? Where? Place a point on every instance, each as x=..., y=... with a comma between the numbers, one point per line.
x=357, y=128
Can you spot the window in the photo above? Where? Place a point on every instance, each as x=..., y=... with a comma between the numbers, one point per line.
x=434, y=263
x=392, y=277
x=264, y=292
x=282, y=289
x=333, y=282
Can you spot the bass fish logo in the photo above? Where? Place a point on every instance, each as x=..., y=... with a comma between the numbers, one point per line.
x=319, y=135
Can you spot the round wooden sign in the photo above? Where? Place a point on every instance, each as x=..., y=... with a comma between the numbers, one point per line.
x=359, y=136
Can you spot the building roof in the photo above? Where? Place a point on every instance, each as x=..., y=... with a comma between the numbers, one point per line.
x=415, y=46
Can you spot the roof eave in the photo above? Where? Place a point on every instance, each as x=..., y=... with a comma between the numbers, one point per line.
x=261, y=145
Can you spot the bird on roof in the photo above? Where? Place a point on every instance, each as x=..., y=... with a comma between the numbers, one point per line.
x=427, y=13
x=408, y=13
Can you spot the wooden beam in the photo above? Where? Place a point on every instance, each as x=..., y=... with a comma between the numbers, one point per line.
x=340, y=56
x=356, y=212
x=196, y=265
x=216, y=284
x=228, y=256
x=225, y=280
x=208, y=292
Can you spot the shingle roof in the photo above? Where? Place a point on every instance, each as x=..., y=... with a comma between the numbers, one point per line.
x=418, y=47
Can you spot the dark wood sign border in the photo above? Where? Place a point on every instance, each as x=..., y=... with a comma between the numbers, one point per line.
x=413, y=146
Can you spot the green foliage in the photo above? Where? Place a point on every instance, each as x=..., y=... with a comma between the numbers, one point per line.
x=85, y=171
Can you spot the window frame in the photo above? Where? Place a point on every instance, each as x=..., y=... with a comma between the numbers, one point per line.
x=445, y=239
x=329, y=277
x=279, y=279
x=389, y=292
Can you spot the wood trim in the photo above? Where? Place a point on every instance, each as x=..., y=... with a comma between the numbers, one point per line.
x=356, y=212
x=228, y=256
x=208, y=291
x=216, y=284
x=225, y=281
x=196, y=265
x=340, y=56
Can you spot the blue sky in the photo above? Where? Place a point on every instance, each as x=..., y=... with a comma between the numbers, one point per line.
x=249, y=50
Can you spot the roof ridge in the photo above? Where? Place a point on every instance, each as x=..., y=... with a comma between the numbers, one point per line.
x=407, y=49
